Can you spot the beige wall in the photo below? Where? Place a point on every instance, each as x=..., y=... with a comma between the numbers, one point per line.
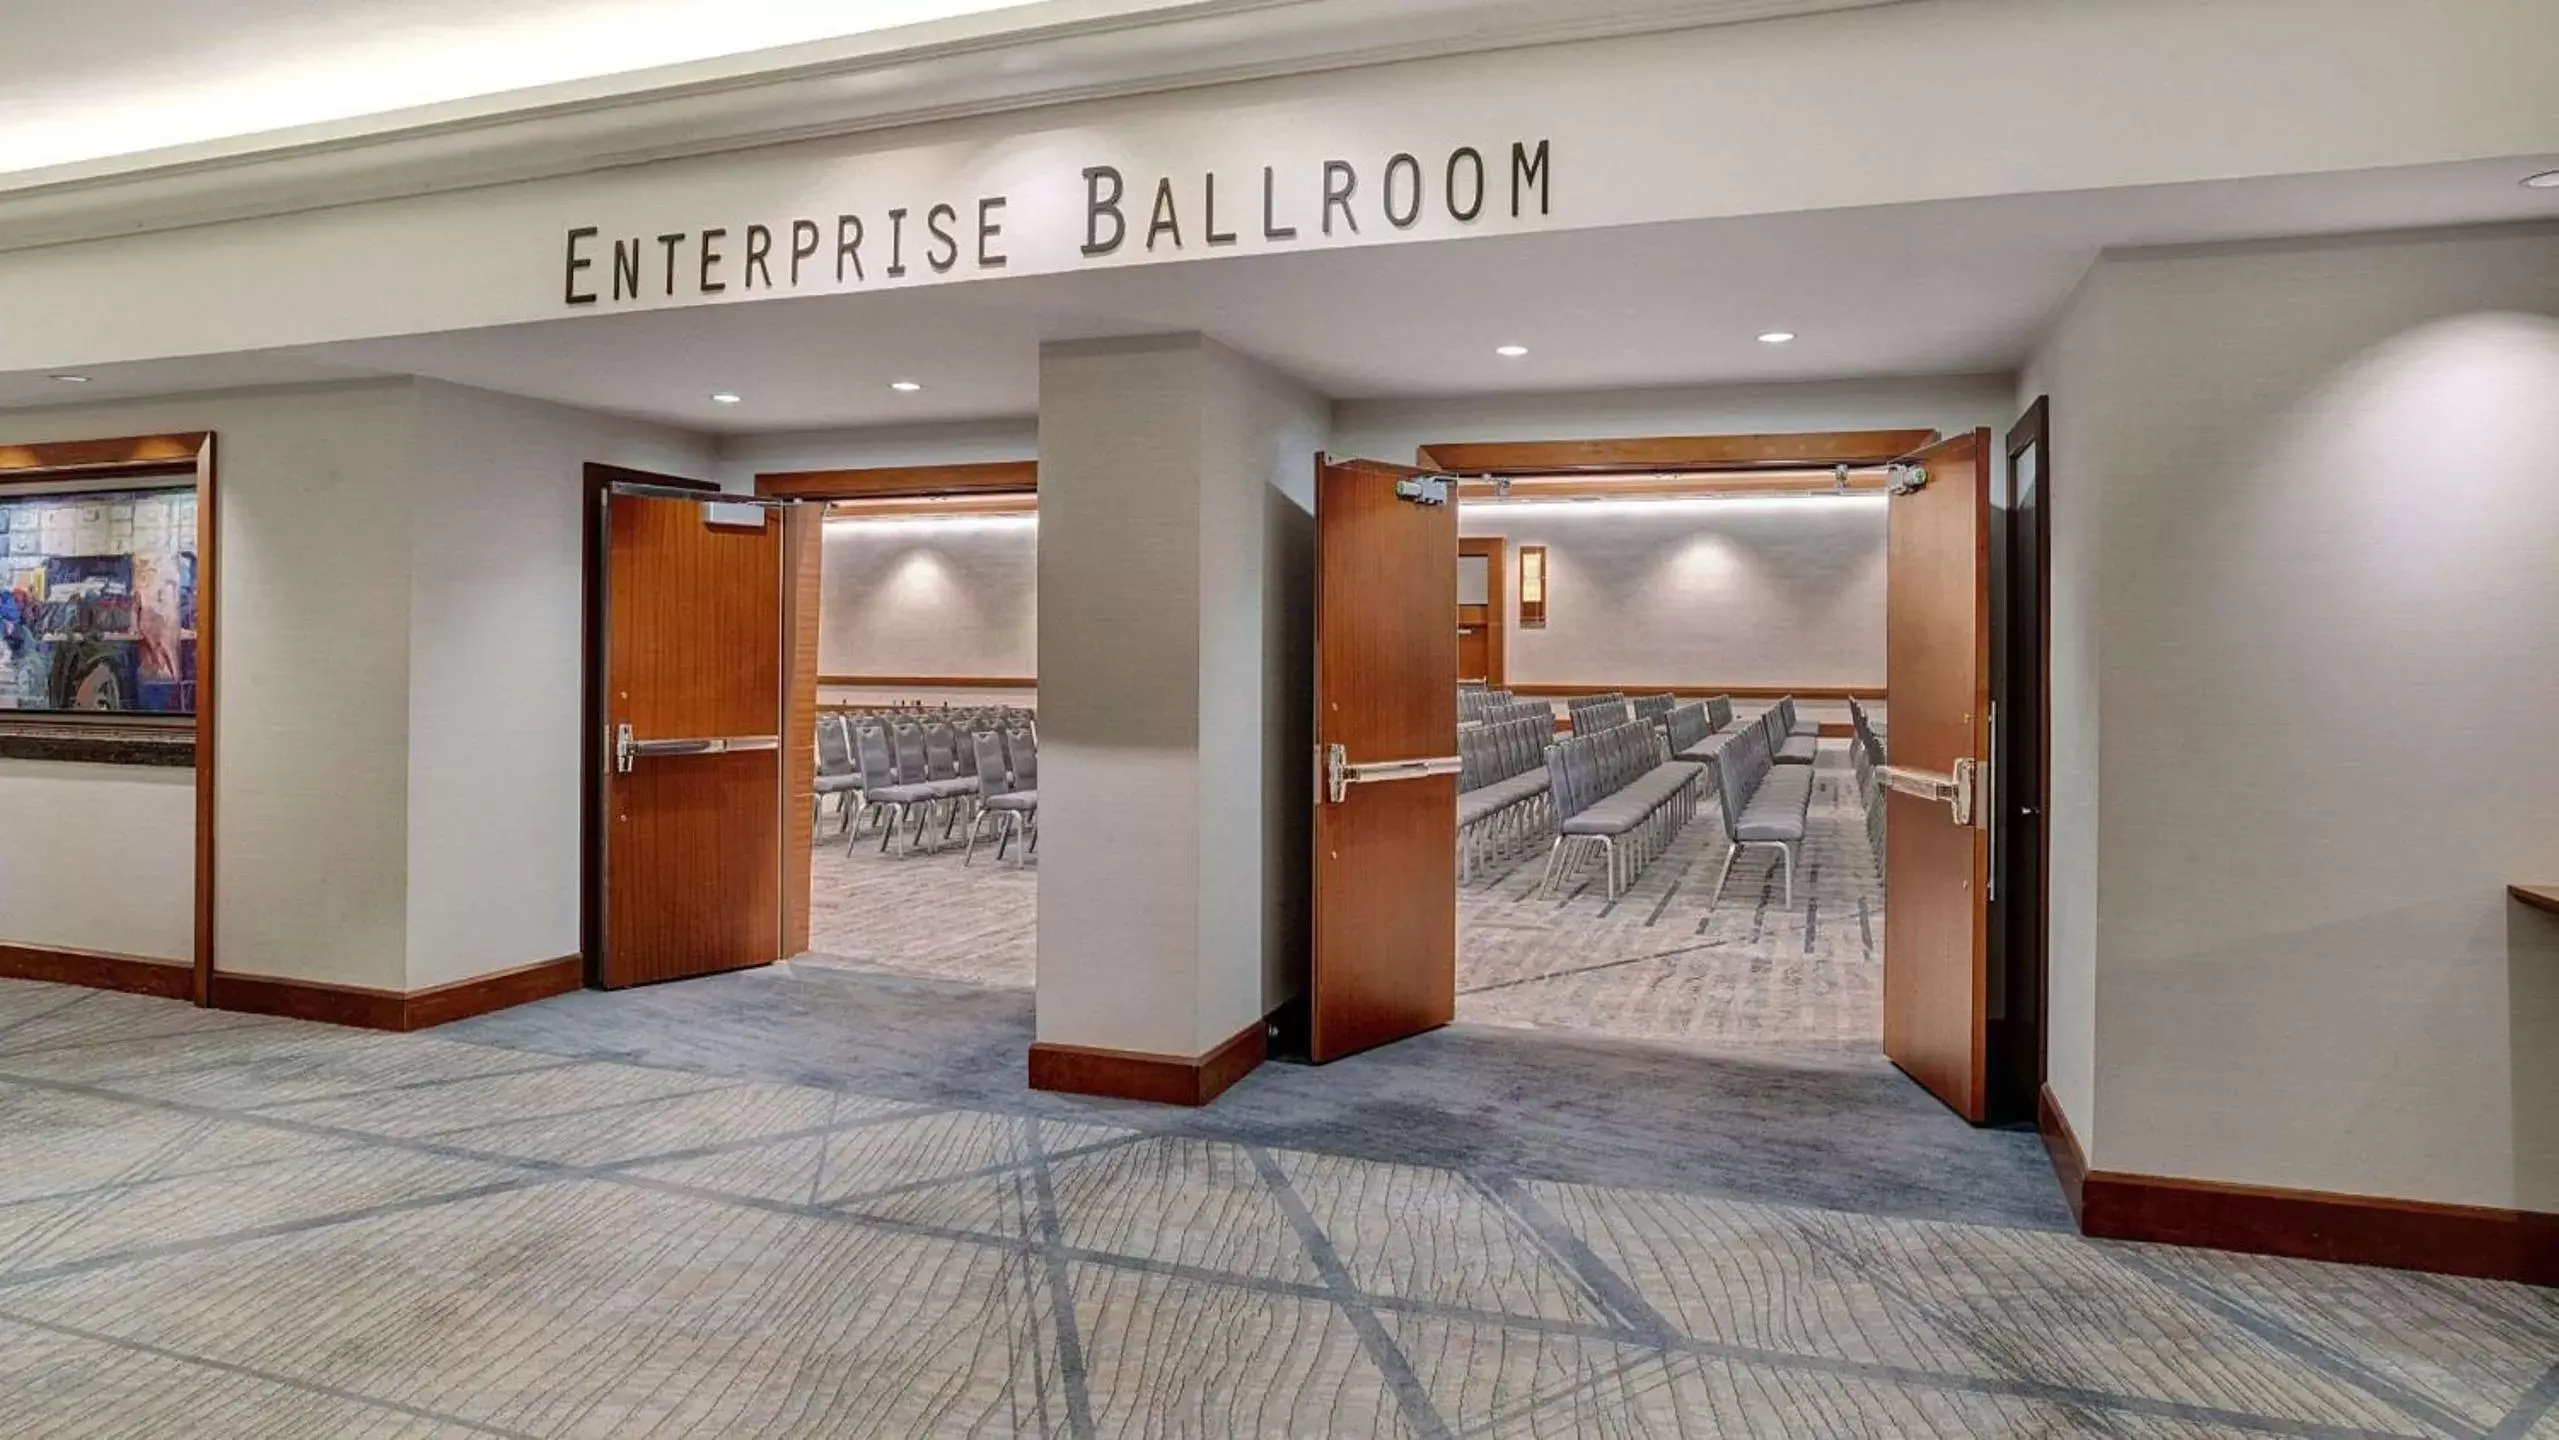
x=934, y=596
x=2321, y=487
x=1745, y=591
x=495, y=655
x=1175, y=595
x=397, y=756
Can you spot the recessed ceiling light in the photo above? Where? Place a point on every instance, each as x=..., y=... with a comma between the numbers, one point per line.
x=70, y=379
x=1776, y=337
x=906, y=387
x=1510, y=352
x=2546, y=180
x=723, y=397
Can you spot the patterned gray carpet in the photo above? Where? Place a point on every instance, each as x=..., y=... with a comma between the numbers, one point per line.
x=806, y=1202
x=1654, y=963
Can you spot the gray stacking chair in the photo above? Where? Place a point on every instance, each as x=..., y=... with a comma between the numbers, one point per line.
x=837, y=774
x=998, y=799
x=884, y=786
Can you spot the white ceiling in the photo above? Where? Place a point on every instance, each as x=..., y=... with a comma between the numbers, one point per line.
x=1938, y=289
x=81, y=81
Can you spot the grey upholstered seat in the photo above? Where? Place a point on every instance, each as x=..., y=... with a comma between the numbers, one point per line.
x=1797, y=750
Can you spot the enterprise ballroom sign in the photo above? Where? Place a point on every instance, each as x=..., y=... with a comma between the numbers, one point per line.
x=1118, y=217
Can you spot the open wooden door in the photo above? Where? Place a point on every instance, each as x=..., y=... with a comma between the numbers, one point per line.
x=1385, y=892
x=692, y=818
x=1937, y=672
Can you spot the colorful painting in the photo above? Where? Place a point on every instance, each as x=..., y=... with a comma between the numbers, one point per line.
x=97, y=602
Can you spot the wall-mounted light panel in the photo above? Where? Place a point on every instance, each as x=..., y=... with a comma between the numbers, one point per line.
x=1532, y=587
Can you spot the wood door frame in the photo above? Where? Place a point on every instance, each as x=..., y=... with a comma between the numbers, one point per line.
x=1496, y=601
x=143, y=457
x=1683, y=454
x=2031, y=981
x=980, y=488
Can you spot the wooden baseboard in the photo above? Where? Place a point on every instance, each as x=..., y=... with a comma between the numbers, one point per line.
x=2482, y=1241
x=370, y=1009
x=99, y=970
x=1139, y=1075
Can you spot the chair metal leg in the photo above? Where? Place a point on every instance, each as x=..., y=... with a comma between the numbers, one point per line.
x=1731, y=852
x=1789, y=852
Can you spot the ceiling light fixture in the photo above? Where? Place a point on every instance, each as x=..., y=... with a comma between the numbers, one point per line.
x=723, y=397
x=906, y=387
x=1510, y=352
x=2546, y=180
x=70, y=379
x=1776, y=337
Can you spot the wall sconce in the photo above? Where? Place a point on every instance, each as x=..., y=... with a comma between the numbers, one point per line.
x=1532, y=587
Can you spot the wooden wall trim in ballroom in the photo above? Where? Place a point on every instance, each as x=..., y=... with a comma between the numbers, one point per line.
x=1139, y=1075
x=99, y=970
x=371, y=1009
x=2486, y=1242
x=903, y=482
x=1674, y=453
x=186, y=454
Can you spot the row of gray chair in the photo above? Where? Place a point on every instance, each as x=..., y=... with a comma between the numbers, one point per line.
x=1537, y=710
x=1474, y=700
x=1591, y=714
x=1867, y=755
x=1622, y=799
x=1792, y=739
x=1503, y=787
x=906, y=770
x=1763, y=803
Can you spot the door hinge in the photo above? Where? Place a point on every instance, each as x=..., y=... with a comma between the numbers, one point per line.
x=1902, y=479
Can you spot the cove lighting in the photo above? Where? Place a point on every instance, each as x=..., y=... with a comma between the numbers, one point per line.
x=2546, y=180
x=723, y=397
x=906, y=387
x=1510, y=352
x=70, y=379
x=1776, y=337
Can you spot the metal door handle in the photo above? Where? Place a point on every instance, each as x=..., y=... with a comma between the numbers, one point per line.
x=1956, y=792
x=1340, y=774
x=628, y=749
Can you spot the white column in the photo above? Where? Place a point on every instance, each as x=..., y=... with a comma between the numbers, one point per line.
x=1175, y=643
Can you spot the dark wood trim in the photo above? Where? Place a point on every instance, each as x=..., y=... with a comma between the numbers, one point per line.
x=1649, y=485
x=188, y=453
x=2070, y=1162
x=903, y=482
x=425, y=1009
x=947, y=682
x=1139, y=1075
x=803, y=570
x=2482, y=1241
x=208, y=710
x=940, y=506
x=369, y=1009
x=1738, y=692
x=2023, y=1044
x=2539, y=897
x=99, y=970
x=355, y=1005
x=1639, y=455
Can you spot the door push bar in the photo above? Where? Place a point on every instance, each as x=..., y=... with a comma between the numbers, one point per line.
x=1340, y=774
x=1958, y=792
x=627, y=749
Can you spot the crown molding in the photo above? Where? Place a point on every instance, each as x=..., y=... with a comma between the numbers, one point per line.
x=1055, y=53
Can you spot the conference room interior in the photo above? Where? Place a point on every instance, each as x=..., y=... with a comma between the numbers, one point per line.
x=1609, y=594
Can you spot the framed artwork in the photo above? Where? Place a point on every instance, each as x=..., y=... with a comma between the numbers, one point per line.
x=98, y=601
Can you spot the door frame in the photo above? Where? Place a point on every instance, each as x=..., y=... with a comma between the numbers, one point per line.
x=2024, y=1057
x=976, y=488
x=1497, y=606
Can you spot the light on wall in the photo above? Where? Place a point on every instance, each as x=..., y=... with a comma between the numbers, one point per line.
x=1532, y=587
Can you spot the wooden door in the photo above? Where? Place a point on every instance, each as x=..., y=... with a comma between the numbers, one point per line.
x=1481, y=614
x=1937, y=849
x=1385, y=893
x=691, y=835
